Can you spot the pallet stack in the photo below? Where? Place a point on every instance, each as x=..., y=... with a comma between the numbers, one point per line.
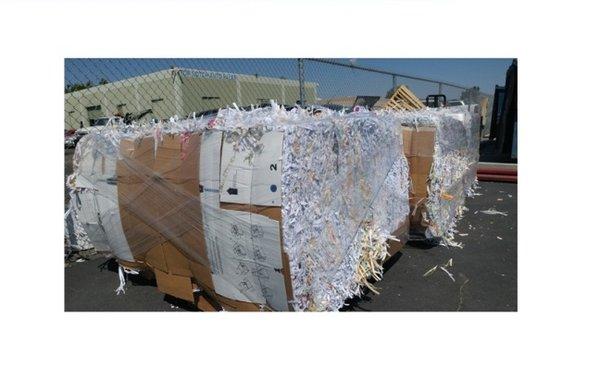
x=404, y=100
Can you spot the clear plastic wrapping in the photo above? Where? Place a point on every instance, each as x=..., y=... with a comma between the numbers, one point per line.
x=271, y=207
x=453, y=172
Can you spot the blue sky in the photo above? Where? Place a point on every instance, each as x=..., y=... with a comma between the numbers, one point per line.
x=333, y=80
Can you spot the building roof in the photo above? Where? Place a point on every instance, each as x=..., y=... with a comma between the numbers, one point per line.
x=189, y=72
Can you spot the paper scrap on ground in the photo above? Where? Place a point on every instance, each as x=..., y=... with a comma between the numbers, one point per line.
x=443, y=267
x=493, y=211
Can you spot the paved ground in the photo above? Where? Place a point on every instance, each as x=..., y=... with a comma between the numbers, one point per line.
x=485, y=268
x=485, y=271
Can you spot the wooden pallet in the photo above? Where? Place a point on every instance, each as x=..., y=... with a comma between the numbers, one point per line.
x=404, y=99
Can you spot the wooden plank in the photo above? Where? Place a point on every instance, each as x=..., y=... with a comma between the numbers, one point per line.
x=409, y=94
x=204, y=305
x=404, y=99
x=411, y=100
x=410, y=97
x=394, y=105
x=398, y=100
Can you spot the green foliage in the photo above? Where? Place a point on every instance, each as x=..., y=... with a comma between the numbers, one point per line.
x=79, y=86
x=471, y=95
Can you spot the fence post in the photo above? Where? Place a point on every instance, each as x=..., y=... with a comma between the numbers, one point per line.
x=470, y=98
x=439, y=88
x=301, y=80
x=394, y=82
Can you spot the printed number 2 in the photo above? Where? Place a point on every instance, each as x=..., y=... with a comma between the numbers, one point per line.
x=273, y=167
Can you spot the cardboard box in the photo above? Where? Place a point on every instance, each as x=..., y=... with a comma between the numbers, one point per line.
x=402, y=235
x=419, y=146
x=134, y=192
x=245, y=251
x=252, y=178
x=159, y=199
x=175, y=285
x=279, y=283
x=418, y=141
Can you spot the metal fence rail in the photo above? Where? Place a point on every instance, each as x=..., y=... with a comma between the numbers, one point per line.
x=143, y=89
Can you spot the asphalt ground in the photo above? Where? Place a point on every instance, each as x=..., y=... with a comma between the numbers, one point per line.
x=484, y=270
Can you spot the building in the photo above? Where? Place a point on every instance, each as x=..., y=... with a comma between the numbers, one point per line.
x=179, y=91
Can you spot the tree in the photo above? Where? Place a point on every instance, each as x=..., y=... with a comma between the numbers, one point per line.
x=79, y=86
x=471, y=95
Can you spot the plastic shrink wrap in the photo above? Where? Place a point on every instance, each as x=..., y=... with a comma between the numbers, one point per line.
x=260, y=209
x=442, y=147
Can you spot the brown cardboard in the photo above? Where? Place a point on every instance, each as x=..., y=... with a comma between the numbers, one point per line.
x=133, y=193
x=393, y=248
x=235, y=305
x=419, y=145
x=160, y=197
x=273, y=213
x=407, y=141
x=178, y=205
x=177, y=159
x=419, y=184
x=402, y=234
x=205, y=305
x=140, y=266
x=174, y=285
x=160, y=207
x=201, y=273
x=420, y=164
x=155, y=258
x=213, y=301
x=423, y=142
x=418, y=141
x=177, y=263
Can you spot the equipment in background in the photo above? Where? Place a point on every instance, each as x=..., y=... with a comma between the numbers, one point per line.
x=366, y=101
x=504, y=117
x=131, y=117
x=435, y=101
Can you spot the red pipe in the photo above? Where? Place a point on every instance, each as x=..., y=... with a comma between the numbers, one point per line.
x=484, y=177
x=496, y=171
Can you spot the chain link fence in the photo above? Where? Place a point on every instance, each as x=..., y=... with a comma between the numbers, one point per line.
x=138, y=90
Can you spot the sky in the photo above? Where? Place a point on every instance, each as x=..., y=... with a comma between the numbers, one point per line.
x=332, y=80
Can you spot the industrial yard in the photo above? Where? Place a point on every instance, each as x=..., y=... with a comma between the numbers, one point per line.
x=214, y=190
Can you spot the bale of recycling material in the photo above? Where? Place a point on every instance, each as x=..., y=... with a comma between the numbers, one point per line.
x=442, y=148
x=93, y=195
x=261, y=209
